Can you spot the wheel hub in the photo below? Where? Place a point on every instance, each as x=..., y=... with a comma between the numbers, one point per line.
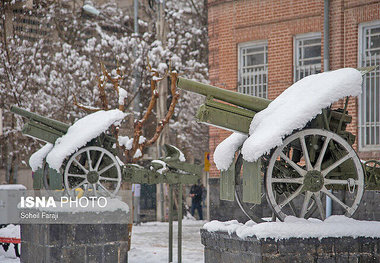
x=92, y=177
x=313, y=181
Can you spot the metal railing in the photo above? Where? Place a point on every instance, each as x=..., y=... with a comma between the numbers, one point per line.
x=254, y=81
x=369, y=105
x=306, y=70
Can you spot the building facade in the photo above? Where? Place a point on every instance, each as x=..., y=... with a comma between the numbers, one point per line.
x=261, y=47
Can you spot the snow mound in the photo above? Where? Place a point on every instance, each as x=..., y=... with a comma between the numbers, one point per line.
x=80, y=133
x=123, y=94
x=292, y=110
x=163, y=164
x=181, y=155
x=225, y=152
x=229, y=226
x=126, y=142
x=36, y=159
x=10, y=231
x=12, y=187
x=296, y=106
x=293, y=227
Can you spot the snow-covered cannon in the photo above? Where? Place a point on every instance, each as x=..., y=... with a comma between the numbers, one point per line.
x=43, y=128
x=83, y=159
x=298, y=141
x=84, y=155
x=69, y=171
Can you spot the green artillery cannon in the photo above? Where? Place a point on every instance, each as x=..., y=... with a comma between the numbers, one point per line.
x=236, y=117
x=99, y=151
x=96, y=169
x=313, y=163
x=46, y=129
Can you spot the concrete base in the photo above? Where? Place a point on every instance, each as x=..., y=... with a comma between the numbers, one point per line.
x=220, y=247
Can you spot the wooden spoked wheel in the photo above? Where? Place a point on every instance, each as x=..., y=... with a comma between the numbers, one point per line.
x=310, y=165
x=256, y=212
x=93, y=169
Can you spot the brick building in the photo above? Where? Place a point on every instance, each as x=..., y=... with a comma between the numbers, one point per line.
x=261, y=47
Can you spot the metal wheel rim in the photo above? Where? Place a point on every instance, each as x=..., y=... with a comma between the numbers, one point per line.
x=45, y=177
x=317, y=196
x=248, y=208
x=93, y=167
x=248, y=211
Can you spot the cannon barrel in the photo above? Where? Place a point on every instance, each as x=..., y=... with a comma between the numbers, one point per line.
x=253, y=103
x=56, y=125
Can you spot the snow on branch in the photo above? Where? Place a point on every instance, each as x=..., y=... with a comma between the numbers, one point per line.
x=133, y=147
x=137, y=146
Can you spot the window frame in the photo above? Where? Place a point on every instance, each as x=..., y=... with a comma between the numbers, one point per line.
x=305, y=36
x=361, y=47
x=252, y=44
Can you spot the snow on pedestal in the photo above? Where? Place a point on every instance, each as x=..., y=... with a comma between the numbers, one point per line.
x=12, y=187
x=10, y=231
x=293, y=227
x=337, y=239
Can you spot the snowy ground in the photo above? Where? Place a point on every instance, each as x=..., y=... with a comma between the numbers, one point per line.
x=8, y=256
x=150, y=243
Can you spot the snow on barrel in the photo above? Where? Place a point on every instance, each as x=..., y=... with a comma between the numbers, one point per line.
x=292, y=110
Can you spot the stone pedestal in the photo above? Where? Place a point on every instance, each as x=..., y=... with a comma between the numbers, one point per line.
x=220, y=247
x=74, y=243
x=77, y=242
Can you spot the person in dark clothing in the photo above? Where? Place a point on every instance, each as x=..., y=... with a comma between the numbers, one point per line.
x=196, y=200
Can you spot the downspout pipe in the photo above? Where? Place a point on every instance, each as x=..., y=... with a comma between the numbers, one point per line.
x=136, y=16
x=326, y=37
x=326, y=67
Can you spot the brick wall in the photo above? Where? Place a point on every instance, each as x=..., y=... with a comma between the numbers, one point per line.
x=278, y=21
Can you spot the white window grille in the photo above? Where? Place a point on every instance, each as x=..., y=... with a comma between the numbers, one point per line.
x=253, y=69
x=307, y=55
x=369, y=102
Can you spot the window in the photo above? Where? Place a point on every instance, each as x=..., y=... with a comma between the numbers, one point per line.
x=253, y=69
x=369, y=109
x=307, y=55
